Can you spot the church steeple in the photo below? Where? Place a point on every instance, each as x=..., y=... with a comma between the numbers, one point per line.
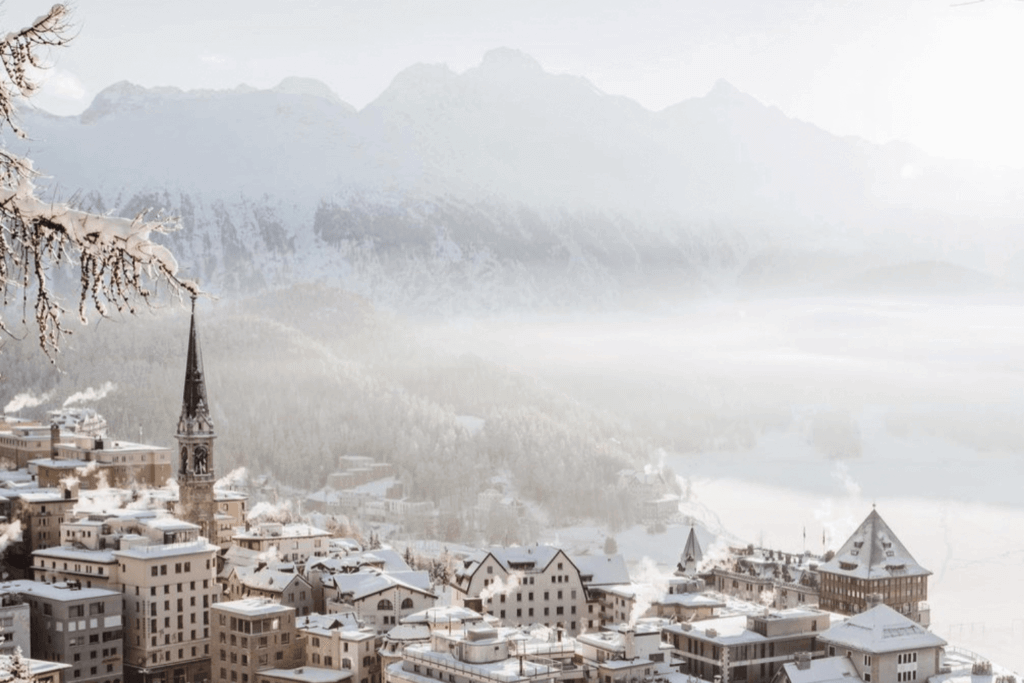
x=195, y=443
x=195, y=413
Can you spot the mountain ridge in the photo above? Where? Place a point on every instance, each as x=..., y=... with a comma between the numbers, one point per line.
x=538, y=183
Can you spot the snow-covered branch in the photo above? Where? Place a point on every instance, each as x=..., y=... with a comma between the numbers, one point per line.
x=118, y=262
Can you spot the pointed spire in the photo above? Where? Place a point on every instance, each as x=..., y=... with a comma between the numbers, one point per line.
x=692, y=551
x=194, y=406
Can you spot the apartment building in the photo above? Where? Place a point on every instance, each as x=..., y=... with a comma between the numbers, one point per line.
x=253, y=635
x=168, y=590
x=108, y=462
x=41, y=512
x=342, y=644
x=535, y=584
x=15, y=623
x=752, y=648
x=77, y=626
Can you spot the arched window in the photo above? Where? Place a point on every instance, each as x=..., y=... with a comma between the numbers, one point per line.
x=384, y=605
x=407, y=603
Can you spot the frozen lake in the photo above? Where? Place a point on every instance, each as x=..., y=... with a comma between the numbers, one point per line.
x=792, y=413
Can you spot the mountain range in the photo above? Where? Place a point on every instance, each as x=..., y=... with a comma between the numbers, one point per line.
x=508, y=186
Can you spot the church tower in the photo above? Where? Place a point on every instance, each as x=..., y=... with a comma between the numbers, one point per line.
x=195, y=444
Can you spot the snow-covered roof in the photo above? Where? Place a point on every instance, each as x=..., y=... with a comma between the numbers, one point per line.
x=168, y=550
x=297, y=530
x=511, y=559
x=827, y=670
x=61, y=592
x=59, y=463
x=371, y=581
x=690, y=600
x=602, y=570
x=267, y=578
x=731, y=630
x=81, y=554
x=253, y=607
x=881, y=629
x=873, y=552
x=507, y=670
x=408, y=633
x=308, y=674
x=324, y=624
x=443, y=614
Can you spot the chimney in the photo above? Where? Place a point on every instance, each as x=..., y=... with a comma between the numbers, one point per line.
x=803, y=660
x=54, y=439
x=629, y=641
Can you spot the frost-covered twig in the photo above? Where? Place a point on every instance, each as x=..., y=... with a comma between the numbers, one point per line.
x=118, y=262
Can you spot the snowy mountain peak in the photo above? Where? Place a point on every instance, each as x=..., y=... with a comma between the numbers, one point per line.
x=507, y=59
x=295, y=85
x=122, y=96
x=725, y=92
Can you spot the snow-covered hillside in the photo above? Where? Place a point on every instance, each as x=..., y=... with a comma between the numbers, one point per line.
x=503, y=185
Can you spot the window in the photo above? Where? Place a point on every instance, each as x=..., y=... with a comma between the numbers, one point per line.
x=384, y=605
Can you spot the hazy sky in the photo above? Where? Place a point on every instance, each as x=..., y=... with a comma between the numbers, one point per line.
x=928, y=71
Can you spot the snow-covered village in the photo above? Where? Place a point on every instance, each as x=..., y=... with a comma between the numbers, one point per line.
x=164, y=572
x=511, y=342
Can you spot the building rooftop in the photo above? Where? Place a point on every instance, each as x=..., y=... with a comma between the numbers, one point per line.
x=730, y=630
x=309, y=674
x=881, y=629
x=81, y=554
x=600, y=570
x=873, y=552
x=372, y=581
x=168, y=550
x=265, y=531
x=61, y=592
x=253, y=607
x=827, y=670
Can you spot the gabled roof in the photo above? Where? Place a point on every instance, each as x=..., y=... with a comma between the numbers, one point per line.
x=528, y=558
x=827, y=670
x=881, y=629
x=365, y=583
x=873, y=552
x=267, y=579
